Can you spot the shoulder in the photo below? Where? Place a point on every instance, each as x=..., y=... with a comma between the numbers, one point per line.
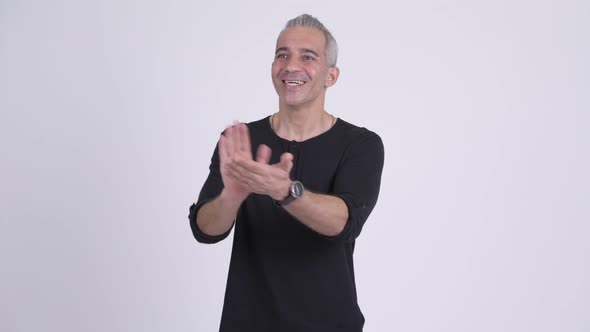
x=259, y=130
x=354, y=134
x=258, y=124
x=363, y=148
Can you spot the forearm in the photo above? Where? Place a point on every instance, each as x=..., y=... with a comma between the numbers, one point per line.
x=217, y=216
x=324, y=214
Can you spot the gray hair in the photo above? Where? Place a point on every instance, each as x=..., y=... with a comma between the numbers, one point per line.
x=331, y=49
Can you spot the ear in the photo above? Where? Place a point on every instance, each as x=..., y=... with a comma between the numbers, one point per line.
x=333, y=73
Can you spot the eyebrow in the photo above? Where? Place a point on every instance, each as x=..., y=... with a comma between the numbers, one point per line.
x=303, y=50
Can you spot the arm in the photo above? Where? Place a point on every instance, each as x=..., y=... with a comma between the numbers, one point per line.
x=341, y=213
x=217, y=216
x=324, y=214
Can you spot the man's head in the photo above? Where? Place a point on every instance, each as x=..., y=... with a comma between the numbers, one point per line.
x=331, y=48
x=305, y=63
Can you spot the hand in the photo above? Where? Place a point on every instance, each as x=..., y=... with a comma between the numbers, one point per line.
x=234, y=145
x=261, y=178
x=263, y=156
x=242, y=175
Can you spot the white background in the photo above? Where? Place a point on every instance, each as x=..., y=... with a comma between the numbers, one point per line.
x=110, y=111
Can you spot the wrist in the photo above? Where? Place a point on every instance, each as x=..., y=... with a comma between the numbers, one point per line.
x=296, y=190
x=229, y=197
x=283, y=191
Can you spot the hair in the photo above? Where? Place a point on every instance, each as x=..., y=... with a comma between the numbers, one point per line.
x=331, y=48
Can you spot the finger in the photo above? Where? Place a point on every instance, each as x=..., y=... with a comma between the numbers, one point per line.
x=252, y=170
x=250, y=180
x=287, y=157
x=263, y=154
x=244, y=139
x=229, y=140
x=222, y=147
x=251, y=166
x=235, y=138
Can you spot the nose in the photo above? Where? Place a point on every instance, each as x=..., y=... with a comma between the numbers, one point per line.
x=293, y=64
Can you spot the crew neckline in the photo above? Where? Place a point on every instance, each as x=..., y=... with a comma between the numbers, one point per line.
x=325, y=133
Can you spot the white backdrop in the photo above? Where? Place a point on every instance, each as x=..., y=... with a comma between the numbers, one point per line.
x=110, y=111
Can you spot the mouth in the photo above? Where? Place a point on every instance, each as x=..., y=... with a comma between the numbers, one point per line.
x=293, y=83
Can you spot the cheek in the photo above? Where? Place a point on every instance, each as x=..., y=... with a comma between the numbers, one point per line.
x=314, y=70
x=275, y=68
x=274, y=73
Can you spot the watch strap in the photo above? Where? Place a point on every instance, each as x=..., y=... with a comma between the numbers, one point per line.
x=292, y=193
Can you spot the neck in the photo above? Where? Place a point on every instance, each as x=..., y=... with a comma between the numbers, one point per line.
x=301, y=125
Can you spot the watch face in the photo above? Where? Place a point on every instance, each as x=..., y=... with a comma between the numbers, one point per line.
x=297, y=189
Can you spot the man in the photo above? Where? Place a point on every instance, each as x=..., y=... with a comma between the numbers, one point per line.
x=298, y=204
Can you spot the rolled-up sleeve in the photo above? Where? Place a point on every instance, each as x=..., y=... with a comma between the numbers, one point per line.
x=358, y=181
x=211, y=189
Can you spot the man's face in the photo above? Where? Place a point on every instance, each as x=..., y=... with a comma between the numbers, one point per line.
x=299, y=71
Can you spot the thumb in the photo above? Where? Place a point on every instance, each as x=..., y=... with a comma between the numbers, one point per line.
x=286, y=163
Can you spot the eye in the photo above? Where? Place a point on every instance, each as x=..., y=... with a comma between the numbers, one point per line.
x=281, y=56
x=308, y=58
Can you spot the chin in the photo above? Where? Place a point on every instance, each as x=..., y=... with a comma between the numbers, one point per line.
x=292, y=102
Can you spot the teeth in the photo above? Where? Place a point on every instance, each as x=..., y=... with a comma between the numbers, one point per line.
x=294, y=82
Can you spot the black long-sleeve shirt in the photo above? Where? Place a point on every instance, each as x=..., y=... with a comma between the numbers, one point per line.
x=283, y=276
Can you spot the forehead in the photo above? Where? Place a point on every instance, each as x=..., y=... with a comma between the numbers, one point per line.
x=302, y=38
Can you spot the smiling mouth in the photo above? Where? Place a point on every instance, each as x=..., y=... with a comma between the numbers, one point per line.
x=293, y=83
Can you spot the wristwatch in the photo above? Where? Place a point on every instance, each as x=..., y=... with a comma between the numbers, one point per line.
x=295, y=192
